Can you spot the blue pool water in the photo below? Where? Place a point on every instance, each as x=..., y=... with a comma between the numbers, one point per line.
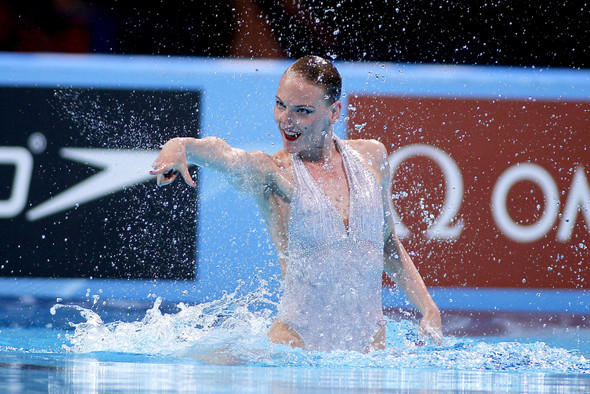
x=221, y=346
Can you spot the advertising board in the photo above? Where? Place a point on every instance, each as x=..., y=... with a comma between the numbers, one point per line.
x=490, y=177
x=488, y=192
x=75, y=203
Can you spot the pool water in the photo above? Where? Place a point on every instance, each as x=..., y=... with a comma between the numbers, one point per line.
x=221, y=346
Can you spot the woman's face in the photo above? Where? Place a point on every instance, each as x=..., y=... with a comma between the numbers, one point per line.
x=304, y=117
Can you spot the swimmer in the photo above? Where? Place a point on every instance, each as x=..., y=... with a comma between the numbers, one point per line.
x=327, y=206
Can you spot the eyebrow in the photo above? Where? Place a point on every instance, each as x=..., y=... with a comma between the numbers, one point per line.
x=296, y=106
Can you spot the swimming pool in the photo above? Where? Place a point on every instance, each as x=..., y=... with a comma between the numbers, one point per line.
x=537, y=340
x=221, y=346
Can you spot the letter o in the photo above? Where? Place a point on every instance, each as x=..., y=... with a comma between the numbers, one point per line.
x=22, y=159
x=513, y=175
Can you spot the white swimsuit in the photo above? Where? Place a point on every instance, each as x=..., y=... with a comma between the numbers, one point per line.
x=332, y=285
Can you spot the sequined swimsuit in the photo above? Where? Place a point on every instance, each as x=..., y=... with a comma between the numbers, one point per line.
x=332, y=285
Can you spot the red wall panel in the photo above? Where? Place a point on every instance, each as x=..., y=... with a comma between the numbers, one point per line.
x=516, y=186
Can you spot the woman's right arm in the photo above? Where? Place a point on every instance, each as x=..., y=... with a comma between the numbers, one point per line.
x=211, y=152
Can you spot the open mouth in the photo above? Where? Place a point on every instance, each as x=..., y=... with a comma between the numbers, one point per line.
x=291, y=135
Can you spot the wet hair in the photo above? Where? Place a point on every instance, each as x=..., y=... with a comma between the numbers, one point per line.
x=322, y=72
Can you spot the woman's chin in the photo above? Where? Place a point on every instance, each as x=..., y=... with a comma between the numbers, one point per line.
x=290, y=146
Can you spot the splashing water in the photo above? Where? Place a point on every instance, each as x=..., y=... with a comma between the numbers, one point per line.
x=133, y=119
x=169, y=334
x=232, y=330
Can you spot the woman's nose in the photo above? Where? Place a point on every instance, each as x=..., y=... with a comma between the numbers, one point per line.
x=286, y=118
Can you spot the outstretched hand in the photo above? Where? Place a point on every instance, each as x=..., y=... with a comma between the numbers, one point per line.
x=170, y=162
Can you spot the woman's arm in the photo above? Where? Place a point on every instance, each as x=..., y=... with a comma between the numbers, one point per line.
x=400, y=267
x=244, y=168
x=397, y=262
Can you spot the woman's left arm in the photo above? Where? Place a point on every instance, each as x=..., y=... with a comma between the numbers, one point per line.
x=397, y=262
x=400, y=267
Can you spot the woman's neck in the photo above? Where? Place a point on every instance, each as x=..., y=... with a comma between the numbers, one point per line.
x=321, y=155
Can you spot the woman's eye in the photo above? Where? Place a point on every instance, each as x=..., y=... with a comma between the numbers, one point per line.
x=304, y=111
x=279, y=104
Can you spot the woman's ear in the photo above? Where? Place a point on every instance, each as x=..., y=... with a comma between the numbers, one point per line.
x=336, y=108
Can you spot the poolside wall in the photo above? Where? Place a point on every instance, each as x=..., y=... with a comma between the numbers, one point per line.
x=490, y=184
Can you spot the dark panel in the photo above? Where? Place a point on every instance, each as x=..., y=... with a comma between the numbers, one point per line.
x=136, y=231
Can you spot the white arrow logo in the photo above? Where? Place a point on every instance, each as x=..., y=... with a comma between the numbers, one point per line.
x=122, y=168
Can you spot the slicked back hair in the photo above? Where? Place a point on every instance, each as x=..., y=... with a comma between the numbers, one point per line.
x=322, y=72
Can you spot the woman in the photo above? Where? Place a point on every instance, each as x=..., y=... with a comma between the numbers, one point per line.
x=326, y=203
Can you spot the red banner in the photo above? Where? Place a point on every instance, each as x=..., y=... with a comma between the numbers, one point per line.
x=487, y=193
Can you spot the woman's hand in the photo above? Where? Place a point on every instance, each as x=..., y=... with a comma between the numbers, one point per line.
x=431, y=326
x=172, y=161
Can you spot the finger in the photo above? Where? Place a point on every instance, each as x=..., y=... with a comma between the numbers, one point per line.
x=167, y=178
x=187, y=177
x=159, y=170
x=437, y=338
x=431, y=332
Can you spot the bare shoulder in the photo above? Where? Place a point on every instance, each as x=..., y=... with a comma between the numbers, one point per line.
x=261, y=160
x=255, y=172
x=275, y=171
x=264, y=163
x=282, y=160
x=373, y=151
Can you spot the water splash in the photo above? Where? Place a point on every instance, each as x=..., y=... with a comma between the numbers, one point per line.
x=132, y=119
x=232, y=331
x=169, y=334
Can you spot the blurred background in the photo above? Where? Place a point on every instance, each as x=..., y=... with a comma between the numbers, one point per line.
x=496, y=32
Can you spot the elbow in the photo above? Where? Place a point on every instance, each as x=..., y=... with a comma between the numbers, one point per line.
x=211, y=141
